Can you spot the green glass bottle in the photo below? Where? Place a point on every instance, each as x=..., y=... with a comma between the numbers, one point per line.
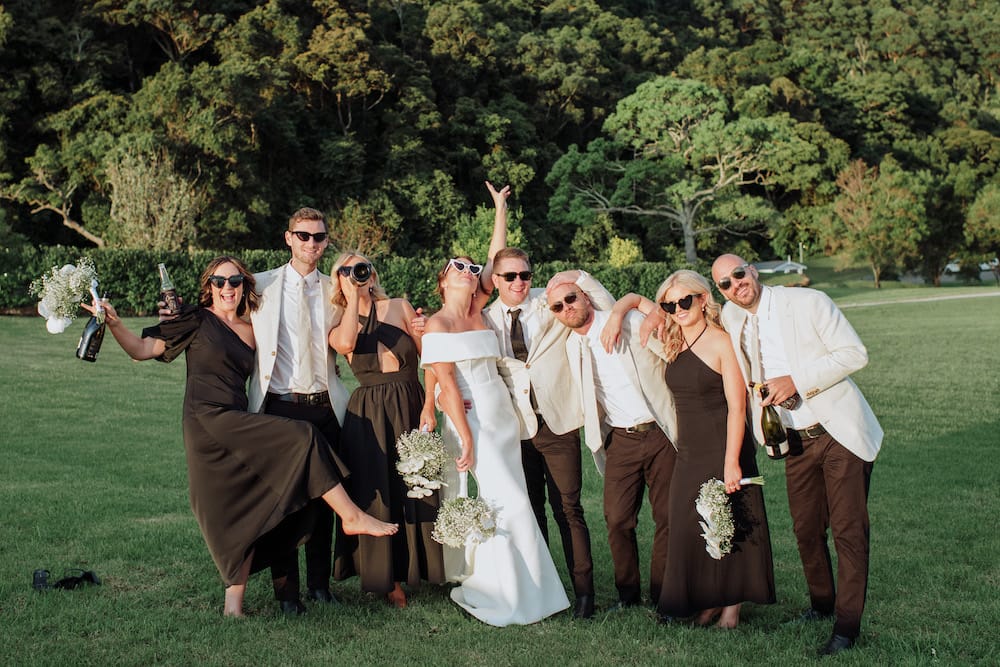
x=775, y=437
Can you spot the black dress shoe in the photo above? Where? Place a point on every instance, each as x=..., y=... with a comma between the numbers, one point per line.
x=836, y=644
x=584, y=607
x=292, y=607
x=322, y=595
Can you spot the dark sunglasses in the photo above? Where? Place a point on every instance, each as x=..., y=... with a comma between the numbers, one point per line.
x=739, y=273
x=568, y=300
x=234, y=280
x=318, y=237
x=685, y=303
x=510, y=276
x=474, y=269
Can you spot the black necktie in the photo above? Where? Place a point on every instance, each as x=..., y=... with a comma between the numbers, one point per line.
x=517, y=336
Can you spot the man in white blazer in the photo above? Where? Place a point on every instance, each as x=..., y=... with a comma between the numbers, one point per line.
x=807, y=352
x=296, y=377
x=629, y=420
x=533, y=364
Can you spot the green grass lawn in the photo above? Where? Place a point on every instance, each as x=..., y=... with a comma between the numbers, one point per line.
x=93, y=476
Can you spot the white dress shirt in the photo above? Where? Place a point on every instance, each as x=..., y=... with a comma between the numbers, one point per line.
x=774, y=360
x=623, y=402
x=286, y=361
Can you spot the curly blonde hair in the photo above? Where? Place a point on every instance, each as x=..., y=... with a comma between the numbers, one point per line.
x=337, y=297
x=694, y=283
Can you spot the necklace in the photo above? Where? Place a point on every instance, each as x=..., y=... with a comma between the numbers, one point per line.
x=691, y=344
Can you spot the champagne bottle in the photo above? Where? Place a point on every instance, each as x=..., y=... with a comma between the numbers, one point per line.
x=775, y=437
x=167, y=291
x=93, y=332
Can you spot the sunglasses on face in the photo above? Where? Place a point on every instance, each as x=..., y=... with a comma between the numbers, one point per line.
x=568, y=300
x=474, y=269
x=685, y=303
x=234, y=280
x=318, y=237
x=510, y=276
x=739, y=273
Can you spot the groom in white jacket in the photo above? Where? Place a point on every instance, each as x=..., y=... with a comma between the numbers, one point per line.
x=533, y=366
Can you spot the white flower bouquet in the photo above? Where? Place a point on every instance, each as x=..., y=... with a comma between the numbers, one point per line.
x=61, y=291
x=422, y=458
x=464, y=521
x=718, y=526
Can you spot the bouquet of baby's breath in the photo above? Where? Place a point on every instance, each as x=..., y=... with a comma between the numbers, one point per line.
x=713, y=506
x=422, y=458
x=61, y=291
x=464, y=521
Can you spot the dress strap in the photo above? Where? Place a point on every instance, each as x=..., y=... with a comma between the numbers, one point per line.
x=691, y=344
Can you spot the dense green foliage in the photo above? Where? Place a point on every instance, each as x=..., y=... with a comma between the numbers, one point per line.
x=687, y=127
x=132, y=283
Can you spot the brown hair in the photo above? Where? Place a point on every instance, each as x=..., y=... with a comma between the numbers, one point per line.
x=447, y=265
x=511, y=253
x=673, y=339
x=337, y=297
x=305, y=213
x=250, y=299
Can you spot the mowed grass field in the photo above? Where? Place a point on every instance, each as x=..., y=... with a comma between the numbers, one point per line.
x=93, y=476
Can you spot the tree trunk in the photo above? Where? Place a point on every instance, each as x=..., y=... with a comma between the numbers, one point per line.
x=687, y=229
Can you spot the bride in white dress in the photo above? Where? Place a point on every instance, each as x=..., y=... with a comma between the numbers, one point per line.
x=510, y=578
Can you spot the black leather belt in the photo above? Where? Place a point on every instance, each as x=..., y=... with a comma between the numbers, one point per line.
x=813, y=431
x=319, y=398
x=639, y=428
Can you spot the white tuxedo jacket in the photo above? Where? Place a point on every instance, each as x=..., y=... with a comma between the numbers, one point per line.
x=265, y=328
x=545, y=369
x=645, y=366
x=823, y=350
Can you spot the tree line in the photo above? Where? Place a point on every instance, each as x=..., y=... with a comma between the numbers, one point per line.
x=661, y=131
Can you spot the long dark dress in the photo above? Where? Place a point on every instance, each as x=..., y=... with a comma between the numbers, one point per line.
x=693, y=580
x=384, y=406
x=247, y=472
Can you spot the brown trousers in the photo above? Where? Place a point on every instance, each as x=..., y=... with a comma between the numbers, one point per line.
x=828, y=489
x=636, y=461
x=553, y=462
x=319, y=548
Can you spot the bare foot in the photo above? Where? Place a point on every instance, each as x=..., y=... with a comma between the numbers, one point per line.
x=707, y=616
x=365, y=524
x=730, y=617
x=396, y=597
x=234, y=601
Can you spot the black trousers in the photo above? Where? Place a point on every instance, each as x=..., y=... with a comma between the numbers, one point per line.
x=553, y=463
x=319, y=548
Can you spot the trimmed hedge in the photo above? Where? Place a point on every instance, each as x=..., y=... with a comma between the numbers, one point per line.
x=130, y=278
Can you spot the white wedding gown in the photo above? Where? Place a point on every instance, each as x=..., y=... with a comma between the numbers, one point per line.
x=509, y=579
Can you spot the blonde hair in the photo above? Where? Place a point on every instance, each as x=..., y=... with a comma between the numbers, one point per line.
x=337, y=297
x=695, y=283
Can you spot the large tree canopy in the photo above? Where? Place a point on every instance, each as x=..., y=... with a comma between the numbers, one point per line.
x=688, y=128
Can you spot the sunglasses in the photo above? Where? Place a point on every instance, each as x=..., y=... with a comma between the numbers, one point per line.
x=318, y=237
x=685, y=303
x=510, y=276
x=474, y=269
x=234, y=280
x=739, y=273
x=568, y=300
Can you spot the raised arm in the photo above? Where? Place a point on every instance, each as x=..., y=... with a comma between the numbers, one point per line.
x=610, y=335
x=497, y=242
x=344, y=335
x=138, y=348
